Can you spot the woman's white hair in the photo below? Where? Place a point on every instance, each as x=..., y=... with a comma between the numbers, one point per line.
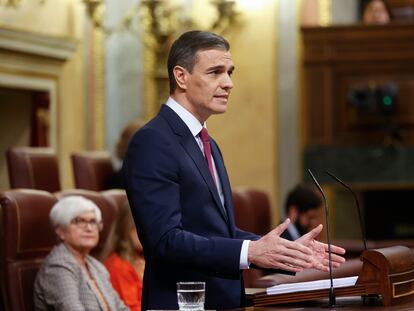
x=68, y=208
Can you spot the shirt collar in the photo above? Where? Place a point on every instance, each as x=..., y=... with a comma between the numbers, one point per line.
x=191, y=121
x=294, y=233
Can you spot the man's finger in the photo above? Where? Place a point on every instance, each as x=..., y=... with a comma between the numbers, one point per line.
x=282, y=227
x=334, y=249
x=314, y=232
x=300, y=250
x=337, y=249
x=295, y=258
x=337, y=258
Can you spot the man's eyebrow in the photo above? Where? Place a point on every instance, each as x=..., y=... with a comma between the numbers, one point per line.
x=219, y=67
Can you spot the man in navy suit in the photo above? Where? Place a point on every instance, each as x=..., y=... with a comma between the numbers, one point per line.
x=180, y=194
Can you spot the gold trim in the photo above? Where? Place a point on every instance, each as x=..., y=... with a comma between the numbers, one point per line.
x=96, y=89
x=30, y=64
x=325, y=12
x=300, y=86
x=48, y=83
x=16, y=3
x=150, y=92
x=28, y=74
x=36, y=44
x=403, y=294
x=34, y=33
x=276, y=212
x=99, y=77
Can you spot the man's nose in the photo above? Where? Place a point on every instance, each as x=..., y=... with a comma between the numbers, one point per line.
x=227, y=82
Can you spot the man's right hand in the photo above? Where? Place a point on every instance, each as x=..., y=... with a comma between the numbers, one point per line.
x=274, y=252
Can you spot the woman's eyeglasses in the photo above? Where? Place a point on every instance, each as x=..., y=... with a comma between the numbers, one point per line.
x=82, y=223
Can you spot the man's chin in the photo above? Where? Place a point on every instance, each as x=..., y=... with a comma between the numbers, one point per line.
x=218, y=112
x=219, y=108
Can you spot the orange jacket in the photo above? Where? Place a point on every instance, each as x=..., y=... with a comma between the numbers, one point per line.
x=125, y=280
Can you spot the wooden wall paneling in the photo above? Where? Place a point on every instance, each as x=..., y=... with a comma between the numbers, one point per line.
x=314, y=112
x=341, y=58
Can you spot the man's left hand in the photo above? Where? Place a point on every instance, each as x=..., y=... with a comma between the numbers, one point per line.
x=320, y=255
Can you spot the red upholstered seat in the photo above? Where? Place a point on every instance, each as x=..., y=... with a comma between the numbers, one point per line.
x=27, y=237
x=260, y=207
x=252, y=210
x=243, y=211
x=252, y=213
x=108, y=209
x=117, y=196
x=92, y=169
x=33, y=168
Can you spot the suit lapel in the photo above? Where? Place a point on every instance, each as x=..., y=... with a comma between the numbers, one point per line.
x=193, y=150
x=195, y=153
x=225, y=183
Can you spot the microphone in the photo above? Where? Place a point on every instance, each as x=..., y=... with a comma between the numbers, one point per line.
x=361, y=222
x=332, y=296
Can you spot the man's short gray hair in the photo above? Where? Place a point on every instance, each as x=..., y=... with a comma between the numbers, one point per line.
x=68, y=208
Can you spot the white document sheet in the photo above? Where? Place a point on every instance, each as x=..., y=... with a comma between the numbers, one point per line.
x=311, y=285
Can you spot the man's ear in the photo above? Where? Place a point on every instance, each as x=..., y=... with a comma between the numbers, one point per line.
x=180, y=76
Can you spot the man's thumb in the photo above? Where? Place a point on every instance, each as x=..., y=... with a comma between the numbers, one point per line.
x=315, y=232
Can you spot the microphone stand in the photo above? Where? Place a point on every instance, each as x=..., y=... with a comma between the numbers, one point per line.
x=361, y=222
x=332, y=296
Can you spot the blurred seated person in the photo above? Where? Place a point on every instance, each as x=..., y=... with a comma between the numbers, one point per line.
x=376, y=12
x=123, y=257
x=116, y=180
x=69, y=278
x=303, y=207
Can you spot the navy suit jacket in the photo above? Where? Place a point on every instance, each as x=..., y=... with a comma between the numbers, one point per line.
x=186, y=233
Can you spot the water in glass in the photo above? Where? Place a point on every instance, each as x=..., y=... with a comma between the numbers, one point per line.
x=191, y=295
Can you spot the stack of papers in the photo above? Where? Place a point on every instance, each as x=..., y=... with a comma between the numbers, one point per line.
x=312, y=285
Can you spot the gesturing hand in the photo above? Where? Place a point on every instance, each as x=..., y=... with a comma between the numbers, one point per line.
x=271, y=251
x=320, y=255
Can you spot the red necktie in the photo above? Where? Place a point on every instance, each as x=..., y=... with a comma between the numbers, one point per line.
x=207, y=151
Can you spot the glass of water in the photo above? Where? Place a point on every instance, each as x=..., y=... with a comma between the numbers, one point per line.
x=191, y=295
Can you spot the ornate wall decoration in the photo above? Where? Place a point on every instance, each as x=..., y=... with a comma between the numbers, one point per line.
x=16, y=3
x=160, y=22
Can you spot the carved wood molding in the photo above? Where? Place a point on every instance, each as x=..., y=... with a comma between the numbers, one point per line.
x=358, y=43
x=37, y=44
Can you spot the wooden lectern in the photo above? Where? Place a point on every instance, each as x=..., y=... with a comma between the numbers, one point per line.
x=387, y=272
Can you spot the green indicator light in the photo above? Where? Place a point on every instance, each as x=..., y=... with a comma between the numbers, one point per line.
x=387, y=101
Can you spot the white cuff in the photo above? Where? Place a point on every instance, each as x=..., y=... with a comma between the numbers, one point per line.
x=244, y=263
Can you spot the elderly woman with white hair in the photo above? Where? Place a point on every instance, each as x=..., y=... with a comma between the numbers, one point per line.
x=69, y=278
